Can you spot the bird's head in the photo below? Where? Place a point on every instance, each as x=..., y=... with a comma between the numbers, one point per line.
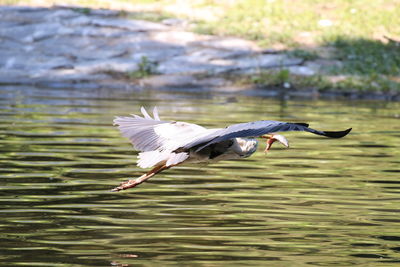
x=272, y=138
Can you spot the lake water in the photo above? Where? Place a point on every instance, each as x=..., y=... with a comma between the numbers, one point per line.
x=323, y=202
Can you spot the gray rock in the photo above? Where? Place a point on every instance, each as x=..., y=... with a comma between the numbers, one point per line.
x=302, y=70
x=32, y=63
x=257, y=61
x=71, y=47
x=104, y=12
x=64, y=47
x=10, y=47
x=139, y=47
x=22, y=9
x=30, y=33
x=229, y=43
x=12, y=76
x=185, y=65
x=178, y=37
x=182, y=81
x=61, y=15
x=78, y=21
x=23, y=15
x=120, y=65
x=94, y=31
x=131, y=25
x=175, y=22
x=210, y=54
x=160, y=81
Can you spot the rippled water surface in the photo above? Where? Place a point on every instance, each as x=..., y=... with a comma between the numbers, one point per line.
x=323, y=202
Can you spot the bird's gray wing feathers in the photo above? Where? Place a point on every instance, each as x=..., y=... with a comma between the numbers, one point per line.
x=254, y=129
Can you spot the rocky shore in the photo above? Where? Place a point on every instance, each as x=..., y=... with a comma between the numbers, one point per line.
x=69, y=47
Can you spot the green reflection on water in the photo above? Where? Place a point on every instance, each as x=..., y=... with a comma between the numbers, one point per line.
x=321, y=202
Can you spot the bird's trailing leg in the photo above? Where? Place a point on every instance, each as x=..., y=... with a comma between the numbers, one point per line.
x=271, y=138
x=141, y=179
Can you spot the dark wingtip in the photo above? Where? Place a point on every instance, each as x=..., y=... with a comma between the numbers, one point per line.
x=338, y=134
x=302, y=124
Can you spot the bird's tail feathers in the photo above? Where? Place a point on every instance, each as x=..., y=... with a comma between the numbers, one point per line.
x=176, y=158
x=152, y=158
x=149, y=159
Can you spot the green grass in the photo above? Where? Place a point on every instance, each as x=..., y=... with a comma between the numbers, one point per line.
x=286, y=21
x=368, y=57
x=304, y=54
x=284, y=79
x=145, y=68
x=304, y=28
x=150, y=16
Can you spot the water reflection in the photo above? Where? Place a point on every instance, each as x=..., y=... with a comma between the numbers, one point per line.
x=323, y=202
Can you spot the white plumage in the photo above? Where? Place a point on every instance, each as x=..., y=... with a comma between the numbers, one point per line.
x=163, y=144
x=158, y=139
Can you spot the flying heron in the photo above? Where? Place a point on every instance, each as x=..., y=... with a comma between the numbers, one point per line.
x=165, y=144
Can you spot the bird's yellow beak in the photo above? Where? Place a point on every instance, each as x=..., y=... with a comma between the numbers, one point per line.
x=271, y=138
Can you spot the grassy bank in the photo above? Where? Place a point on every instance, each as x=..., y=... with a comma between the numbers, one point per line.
x=356, y=43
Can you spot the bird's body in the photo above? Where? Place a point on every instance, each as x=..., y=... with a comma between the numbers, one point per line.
x=235, y=148
x=164, y=144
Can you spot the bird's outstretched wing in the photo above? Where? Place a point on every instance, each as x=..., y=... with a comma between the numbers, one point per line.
x=255, y=129
x=148, y=134
x=166, y=141
x=140, y=130
x=156, y=139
